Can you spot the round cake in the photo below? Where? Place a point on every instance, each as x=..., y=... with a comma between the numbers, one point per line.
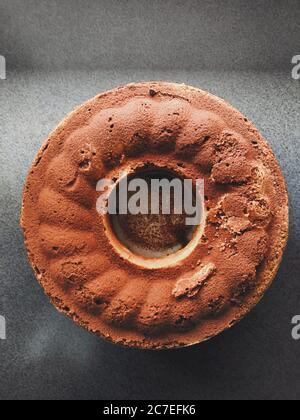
x=151, y=281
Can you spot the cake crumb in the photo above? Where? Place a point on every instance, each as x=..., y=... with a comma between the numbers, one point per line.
x=190, y=285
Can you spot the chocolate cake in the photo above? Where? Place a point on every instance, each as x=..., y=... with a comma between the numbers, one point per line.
x=148, y=281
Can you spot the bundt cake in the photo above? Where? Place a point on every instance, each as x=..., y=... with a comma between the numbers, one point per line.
x=152, y=281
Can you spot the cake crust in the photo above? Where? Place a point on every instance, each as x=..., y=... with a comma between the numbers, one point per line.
x=196, y=135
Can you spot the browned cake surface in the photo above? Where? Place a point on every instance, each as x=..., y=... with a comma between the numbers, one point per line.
x=195, y=135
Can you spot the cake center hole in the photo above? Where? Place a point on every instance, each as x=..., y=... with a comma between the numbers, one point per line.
x=151, y=217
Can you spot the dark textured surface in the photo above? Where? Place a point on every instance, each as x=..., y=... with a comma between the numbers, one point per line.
x=160, y=34
x=45, y=354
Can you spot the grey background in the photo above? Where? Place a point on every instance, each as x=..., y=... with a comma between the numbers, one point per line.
x=60, y=53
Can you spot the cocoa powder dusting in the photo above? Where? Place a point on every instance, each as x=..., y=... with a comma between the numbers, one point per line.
x=221, y=277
